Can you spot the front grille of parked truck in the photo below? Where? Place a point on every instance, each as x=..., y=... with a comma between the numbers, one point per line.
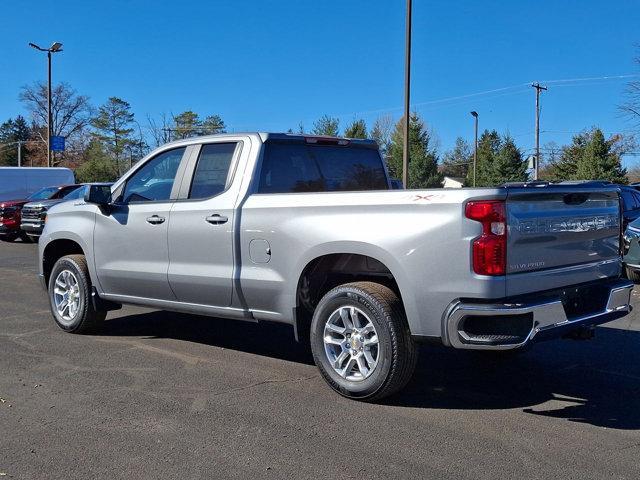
x=33, y=213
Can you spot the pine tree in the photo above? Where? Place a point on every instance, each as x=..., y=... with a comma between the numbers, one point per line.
x=11, y=132
x=357, y=129
x=457, y=162
x=113, y=127
x=591, y=157
x=508, y=165
x=598, y=162
x=98, y=166
x=488, y=148
x=327, y=126
x=213, y=124
x=186, y=124
x=423, y=158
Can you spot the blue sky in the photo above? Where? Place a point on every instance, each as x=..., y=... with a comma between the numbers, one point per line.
x=271, y=65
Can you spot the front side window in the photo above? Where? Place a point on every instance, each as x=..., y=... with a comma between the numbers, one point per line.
x=154, y=181
x=212, y=170
x=295, y=167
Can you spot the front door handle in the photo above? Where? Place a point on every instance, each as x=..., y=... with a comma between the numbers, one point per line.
x=155, y=220
x=216, y=219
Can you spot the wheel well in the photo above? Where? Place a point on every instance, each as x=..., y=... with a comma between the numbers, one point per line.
x=326, y=272
x=54, y=251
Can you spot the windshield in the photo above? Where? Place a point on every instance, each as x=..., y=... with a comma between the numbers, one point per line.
x=75, y=193
x=43, y=194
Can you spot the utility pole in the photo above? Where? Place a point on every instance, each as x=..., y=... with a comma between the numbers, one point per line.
x=19, y=142
x=536, y=170
x=475, y=145
x=407, y=84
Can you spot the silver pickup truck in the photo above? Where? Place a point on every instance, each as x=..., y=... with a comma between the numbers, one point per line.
x=307, y=231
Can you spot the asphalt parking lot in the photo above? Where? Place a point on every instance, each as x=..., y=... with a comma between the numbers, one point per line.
x=163, y=395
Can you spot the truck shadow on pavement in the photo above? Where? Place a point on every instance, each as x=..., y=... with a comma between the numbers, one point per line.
x=595, y=382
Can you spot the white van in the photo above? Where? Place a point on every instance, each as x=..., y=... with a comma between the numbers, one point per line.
x=20, y=182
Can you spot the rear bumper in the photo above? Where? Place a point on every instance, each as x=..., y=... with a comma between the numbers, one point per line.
x=531, y=320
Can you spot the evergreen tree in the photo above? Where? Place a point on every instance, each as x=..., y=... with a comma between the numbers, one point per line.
x=187, y=124
x=423, y=158
x=488, y=148
x=98, y=166
x=508, y=165
x=591, y=157
x=357, y=129
x=213, y=124
x=598, y=162
x=327, y=126
x=114, y=127
x=457, y=162
x=11, y=132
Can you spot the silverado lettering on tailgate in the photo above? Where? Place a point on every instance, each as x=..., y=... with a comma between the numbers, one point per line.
x=568, y=224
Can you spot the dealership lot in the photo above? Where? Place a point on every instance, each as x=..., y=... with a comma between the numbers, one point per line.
x=175, y=396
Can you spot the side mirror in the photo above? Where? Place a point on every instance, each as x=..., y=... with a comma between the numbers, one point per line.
x=99, y=195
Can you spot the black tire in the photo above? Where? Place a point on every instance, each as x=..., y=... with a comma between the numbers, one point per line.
x=632, y=274
x=9, y=237
x=86, y=319
x=396, y=350
x=26, y=238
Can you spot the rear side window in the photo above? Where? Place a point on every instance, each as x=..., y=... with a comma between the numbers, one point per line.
x=212, y=169
x=294, y=168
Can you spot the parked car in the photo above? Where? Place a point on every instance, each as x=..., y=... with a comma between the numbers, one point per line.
x=630, y=204
x=11, y=210
x=632, y=251
x=20, y=182
x=34, y=214
x=307, y=231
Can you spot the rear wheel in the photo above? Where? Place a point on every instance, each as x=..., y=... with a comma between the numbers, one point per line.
x=361, y=342
x=70, y=296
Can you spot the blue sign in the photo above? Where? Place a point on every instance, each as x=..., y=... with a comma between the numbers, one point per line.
x=57, y=144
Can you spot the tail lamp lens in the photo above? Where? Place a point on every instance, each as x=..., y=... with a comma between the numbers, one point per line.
x=490, y=249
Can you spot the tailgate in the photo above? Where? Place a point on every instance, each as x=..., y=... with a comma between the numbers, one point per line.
x=572, y=229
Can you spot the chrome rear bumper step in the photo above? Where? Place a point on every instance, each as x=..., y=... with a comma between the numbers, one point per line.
x=545, y=318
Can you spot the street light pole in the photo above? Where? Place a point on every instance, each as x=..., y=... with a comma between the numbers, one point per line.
x=49, y=108
x=475, y=145
x=54, y=48
x=407, y=84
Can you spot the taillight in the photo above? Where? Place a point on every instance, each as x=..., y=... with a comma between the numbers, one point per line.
x=489, y=249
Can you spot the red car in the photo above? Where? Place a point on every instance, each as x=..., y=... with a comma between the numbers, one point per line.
x=10, y=211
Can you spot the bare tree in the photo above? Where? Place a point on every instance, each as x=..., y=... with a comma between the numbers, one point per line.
x=161, y=130
x=631, y=106
x=70, y=112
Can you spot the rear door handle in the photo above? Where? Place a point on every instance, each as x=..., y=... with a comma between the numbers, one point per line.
x=155, y=220
x=216, y=219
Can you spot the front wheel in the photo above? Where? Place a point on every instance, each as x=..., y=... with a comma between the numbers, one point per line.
x=361, y=342
x=632, y=274
x=70, y=296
